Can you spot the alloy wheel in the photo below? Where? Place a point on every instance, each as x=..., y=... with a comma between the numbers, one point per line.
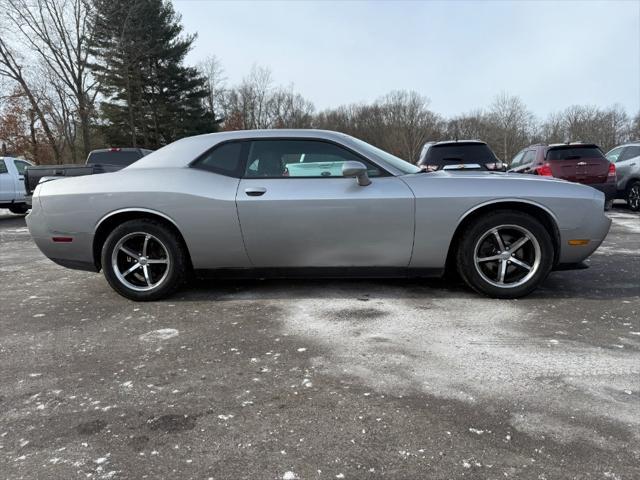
x=634, y=197
x=140, y=261
x=507, y=256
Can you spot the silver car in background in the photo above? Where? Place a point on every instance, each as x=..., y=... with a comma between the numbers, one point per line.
x=627, y=160
x=311, y=203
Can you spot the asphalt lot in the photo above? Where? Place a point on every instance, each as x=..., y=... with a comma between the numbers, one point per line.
x=320, y=379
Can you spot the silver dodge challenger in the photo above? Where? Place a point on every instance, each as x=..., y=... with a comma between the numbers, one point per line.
x=311, y=203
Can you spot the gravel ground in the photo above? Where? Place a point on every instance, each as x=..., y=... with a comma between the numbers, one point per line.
x=320, y=379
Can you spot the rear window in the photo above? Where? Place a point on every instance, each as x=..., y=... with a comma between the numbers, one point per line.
x=115, y=157
x=459, y=153
x=573, y=153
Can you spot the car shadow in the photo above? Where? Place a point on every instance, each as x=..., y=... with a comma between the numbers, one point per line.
x=360, y=289
x=11, y=220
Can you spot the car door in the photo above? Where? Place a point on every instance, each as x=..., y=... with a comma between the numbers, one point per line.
x=627, y=161
x=7, y=191
x=20, y=166
x=296, y=209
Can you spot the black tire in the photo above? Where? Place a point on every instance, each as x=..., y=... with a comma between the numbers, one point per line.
x=478, y=235
x=633, y=196
x=172, y=273
x=19, y=209
x=608, y=205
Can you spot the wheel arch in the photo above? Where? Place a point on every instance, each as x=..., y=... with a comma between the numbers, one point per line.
x=541, y=213
x=111, y=220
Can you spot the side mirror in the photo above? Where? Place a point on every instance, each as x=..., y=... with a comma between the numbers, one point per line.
x=357, y=170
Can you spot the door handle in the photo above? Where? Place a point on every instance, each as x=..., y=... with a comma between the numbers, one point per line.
x=255, y=191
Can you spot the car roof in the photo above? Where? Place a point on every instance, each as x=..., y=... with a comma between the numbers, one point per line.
x=455, y=142
x=572, y=144
x=182, y=152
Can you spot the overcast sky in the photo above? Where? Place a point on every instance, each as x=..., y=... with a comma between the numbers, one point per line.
x=459, y=54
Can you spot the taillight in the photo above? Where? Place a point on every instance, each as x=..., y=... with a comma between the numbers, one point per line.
x=494, y=166
x=544, y=170
x=612, y=170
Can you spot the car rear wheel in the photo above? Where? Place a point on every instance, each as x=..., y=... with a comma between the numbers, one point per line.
x=633, y=196
x=505, y=254
x=144, y=260
x=19, y=209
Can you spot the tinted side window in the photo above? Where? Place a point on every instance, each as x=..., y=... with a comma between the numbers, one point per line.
x=517, y=160
x=629, y=152
x=21, y=166
x=299, y=158
x=3, y=167
x=529, y=156
x=224, y=159
x=614, y=154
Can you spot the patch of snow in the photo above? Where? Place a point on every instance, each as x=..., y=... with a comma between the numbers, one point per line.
x=290, y=476
x=225, y=417
x=159, y=335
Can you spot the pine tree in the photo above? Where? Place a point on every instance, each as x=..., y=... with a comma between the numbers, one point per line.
x=150, y=97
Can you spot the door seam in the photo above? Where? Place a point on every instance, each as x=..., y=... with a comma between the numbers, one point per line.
x=244, y=245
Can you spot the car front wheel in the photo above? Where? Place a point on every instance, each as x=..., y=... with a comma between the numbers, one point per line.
x=505, y=254
x=144, y=260
x=633, y=196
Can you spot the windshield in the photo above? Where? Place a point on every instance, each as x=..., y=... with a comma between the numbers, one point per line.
x=459, y=153
x=573, y=153
x=113, y=157
x=402, y=165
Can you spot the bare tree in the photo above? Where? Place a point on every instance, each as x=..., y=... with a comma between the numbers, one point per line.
x=59, y=33
x=513, y=122
x=11, y=68
x=211, y=69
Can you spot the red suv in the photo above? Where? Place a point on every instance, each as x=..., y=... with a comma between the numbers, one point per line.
x=577, y=162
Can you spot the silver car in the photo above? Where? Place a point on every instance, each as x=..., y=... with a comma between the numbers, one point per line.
x=311, y=203
x=627, y=160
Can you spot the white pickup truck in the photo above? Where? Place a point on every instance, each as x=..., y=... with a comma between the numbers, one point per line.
x=12, y=190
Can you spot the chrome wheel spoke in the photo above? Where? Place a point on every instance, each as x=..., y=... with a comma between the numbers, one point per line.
x=147, y=277
x=157, y=261
x=519, y=244
x=132, y=269
x=520, y=263
x=492, y=258
x=145, y=245
x=129, y=252
x=498, y=239
x=503, y=271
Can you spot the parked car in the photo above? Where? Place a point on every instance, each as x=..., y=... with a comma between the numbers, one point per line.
x=458, y=154
x=577, y=162
x=224, y=204
x=99, y=161
x=627, y=161
x=12, y=192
